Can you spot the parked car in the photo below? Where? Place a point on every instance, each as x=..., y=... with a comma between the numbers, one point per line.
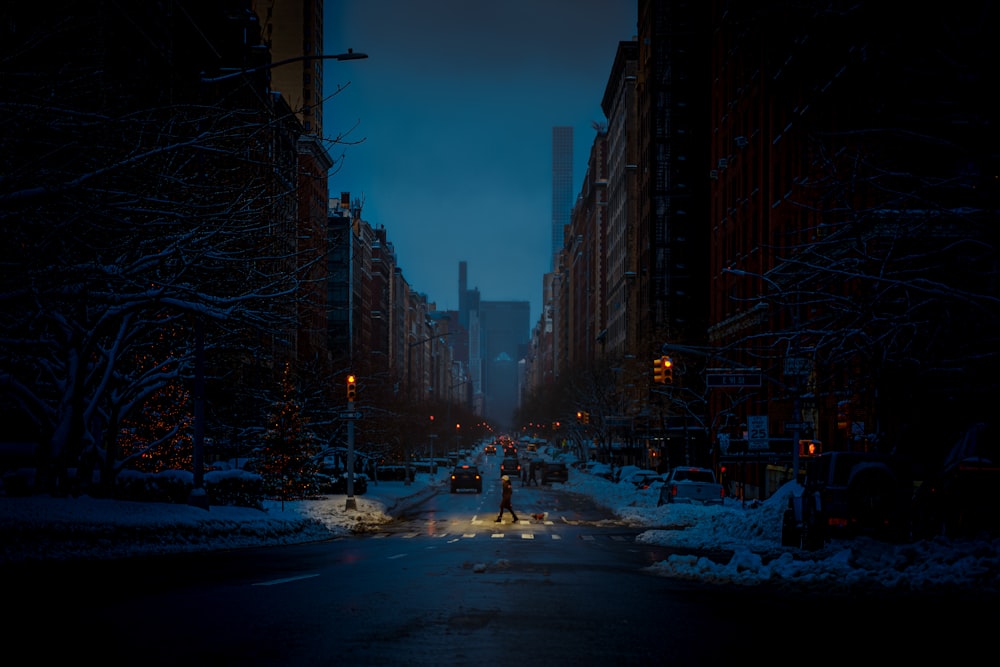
x=846, y=494
x=553, y=471
x=466, y=477
x=644, y=479
x=337, y=483
x=510, y=466
x=602, y=470
x=689, y=484
x=395, y=473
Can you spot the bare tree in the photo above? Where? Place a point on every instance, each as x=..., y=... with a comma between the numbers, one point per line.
x=145, y=225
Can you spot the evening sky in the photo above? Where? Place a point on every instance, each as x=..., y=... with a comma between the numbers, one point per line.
x=448, y=128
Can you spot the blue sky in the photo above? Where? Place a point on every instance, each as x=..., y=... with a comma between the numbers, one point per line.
x=453, y=114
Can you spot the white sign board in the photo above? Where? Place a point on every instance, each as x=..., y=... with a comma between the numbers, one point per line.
x=798, y=366
x=757, y=431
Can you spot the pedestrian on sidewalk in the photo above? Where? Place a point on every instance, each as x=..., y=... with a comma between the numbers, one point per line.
x=505, y=499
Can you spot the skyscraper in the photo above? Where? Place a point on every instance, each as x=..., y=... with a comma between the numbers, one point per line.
x=562, y=186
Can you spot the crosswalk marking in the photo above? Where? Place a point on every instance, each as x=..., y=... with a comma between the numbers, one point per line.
x=451, y=538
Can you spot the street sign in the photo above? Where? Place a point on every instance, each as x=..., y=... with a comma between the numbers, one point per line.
x=351, y=414
x=757, y=432
x=797, y=426
x=798, y=366
x=734, y=380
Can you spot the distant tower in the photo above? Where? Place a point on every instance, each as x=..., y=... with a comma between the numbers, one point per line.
x=562, y=186
x=463, y=294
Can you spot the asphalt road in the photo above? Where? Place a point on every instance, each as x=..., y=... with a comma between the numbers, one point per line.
x=445, y=585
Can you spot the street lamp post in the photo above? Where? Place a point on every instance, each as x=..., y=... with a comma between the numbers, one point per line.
x=350, y=55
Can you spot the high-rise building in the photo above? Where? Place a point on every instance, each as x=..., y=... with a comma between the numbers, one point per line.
x=504, y=333
x=294, y=29
x=562, y=186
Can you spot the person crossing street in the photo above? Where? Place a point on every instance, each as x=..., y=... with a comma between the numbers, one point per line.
x=505, y=499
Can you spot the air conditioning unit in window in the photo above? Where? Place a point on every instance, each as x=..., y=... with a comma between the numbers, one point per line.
x=741, y=142
x=723, y=163
x=713, y=174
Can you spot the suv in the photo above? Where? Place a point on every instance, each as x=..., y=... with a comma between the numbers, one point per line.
x=510, y=466
x=850, y=493
x=466, y=477
x=552, y=471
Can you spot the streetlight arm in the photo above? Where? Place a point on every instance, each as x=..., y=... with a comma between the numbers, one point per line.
x=419, y=342
x=750, y=274
x=350, y=55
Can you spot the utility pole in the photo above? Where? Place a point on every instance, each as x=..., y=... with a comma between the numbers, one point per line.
x=351, y=395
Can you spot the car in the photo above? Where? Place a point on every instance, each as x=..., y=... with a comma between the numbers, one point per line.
x=490, y=449
x=602, y=470
x=337, y=483
x=644, y=479
x=553, y=471
x=396, y=473
x=466, y=477
x=510, y=466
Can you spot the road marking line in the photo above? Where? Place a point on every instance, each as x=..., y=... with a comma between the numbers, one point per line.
x=495, y=535
x=286, y=580
x=527, y=536
x=397, y=556
x=586, y=537
x=557, y=537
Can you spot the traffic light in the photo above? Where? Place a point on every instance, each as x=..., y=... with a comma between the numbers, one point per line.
x=668, y=370
x=810, y=448
x=586, y=417
x=352, y=388
x=579, y=416
x=659, y=372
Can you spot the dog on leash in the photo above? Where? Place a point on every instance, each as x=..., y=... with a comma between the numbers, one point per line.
x=540, y=516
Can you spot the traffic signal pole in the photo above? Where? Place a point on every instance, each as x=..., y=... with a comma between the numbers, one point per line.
x=352, y=504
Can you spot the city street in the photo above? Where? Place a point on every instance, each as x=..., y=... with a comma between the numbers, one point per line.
x=445, y=585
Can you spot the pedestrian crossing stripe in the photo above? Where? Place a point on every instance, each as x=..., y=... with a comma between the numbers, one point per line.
x=496, y=534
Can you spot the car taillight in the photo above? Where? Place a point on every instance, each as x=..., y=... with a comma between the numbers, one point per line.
x=673, y=491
